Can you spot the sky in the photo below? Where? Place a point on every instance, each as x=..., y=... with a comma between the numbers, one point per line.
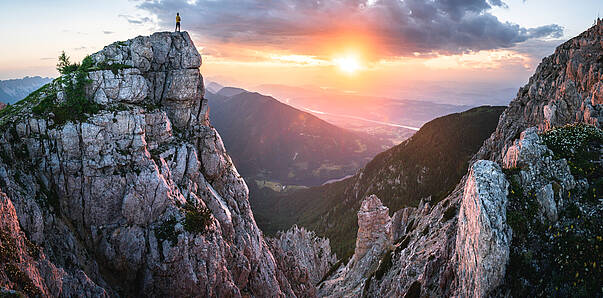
x=356, y=45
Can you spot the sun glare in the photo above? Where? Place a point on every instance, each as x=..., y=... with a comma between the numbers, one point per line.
x=348, y=64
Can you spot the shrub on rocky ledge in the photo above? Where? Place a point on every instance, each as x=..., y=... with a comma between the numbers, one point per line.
x=73, y=80
x=198, y=218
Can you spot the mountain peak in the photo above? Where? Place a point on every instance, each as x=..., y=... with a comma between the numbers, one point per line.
x=116, y=171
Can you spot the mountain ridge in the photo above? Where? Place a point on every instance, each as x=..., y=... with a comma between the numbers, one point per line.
x=272, y=141
x=14, y=90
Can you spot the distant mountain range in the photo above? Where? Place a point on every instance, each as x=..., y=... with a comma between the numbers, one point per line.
x=426, y=166
x=271, y=142
x=213, y=86
x=14, y=90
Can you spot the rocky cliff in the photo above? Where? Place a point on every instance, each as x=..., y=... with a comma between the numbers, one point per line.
x=116, y=174
x=303, y=258
x=526, y=217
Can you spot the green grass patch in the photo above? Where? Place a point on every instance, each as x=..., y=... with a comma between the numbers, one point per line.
x=113, y=67
x=578, y=143
x=167, y=231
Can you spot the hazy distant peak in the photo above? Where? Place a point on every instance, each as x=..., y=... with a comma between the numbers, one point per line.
x=13, y=90
x=230, y=91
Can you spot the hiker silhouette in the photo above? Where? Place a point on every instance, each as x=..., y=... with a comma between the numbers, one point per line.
x=177, y=22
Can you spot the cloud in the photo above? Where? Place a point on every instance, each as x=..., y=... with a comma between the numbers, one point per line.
x=392, y=27
x=108, y=32
x=135, y=20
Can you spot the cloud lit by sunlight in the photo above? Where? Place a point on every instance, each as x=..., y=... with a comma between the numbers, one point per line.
x=298, y=59
x=493, y=59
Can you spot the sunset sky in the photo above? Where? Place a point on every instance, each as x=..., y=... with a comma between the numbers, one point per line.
x=344, y=44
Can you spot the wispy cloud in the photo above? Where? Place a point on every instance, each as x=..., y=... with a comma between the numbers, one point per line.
x=108, y=32
x=135, y=19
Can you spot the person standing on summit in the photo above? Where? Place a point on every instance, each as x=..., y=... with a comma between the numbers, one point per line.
x=178, y=22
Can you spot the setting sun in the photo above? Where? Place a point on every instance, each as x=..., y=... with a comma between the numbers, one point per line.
x=348, y=64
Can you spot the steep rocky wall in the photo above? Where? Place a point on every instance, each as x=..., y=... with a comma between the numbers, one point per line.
x=303, y=258
x=483, y=236
x=567, y=87
x=141, y=196
x=25, y=269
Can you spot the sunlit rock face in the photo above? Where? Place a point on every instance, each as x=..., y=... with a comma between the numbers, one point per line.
x=539, y=171
x=374, y=239
x=27, y=270
x=165, y=71
x=483, y=236
x=374, y=226
x=567, y=87
x=141, y=196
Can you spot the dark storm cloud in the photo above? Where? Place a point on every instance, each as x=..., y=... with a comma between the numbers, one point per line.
x=400, y=27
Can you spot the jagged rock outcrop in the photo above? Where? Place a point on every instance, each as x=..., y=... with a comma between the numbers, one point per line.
x=374, y=227
x=539, y=171
x=303, y=258
x=567, y=87
x=374, y=239
x=140, y=194
x=483, y=236
x=25, y=269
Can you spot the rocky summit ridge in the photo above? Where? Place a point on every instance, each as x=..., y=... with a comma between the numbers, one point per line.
x=116, y=184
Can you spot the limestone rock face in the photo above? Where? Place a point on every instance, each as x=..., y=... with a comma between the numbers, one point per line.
x=566, y=88
x=483, y=236
x=374, y=226
x=141, y=197
x=303, y=258
x=373, y=242
x=165, y=71
x=539, y=171
x=25, y=268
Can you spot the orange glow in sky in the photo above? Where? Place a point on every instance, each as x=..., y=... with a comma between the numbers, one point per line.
x=349, y=64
